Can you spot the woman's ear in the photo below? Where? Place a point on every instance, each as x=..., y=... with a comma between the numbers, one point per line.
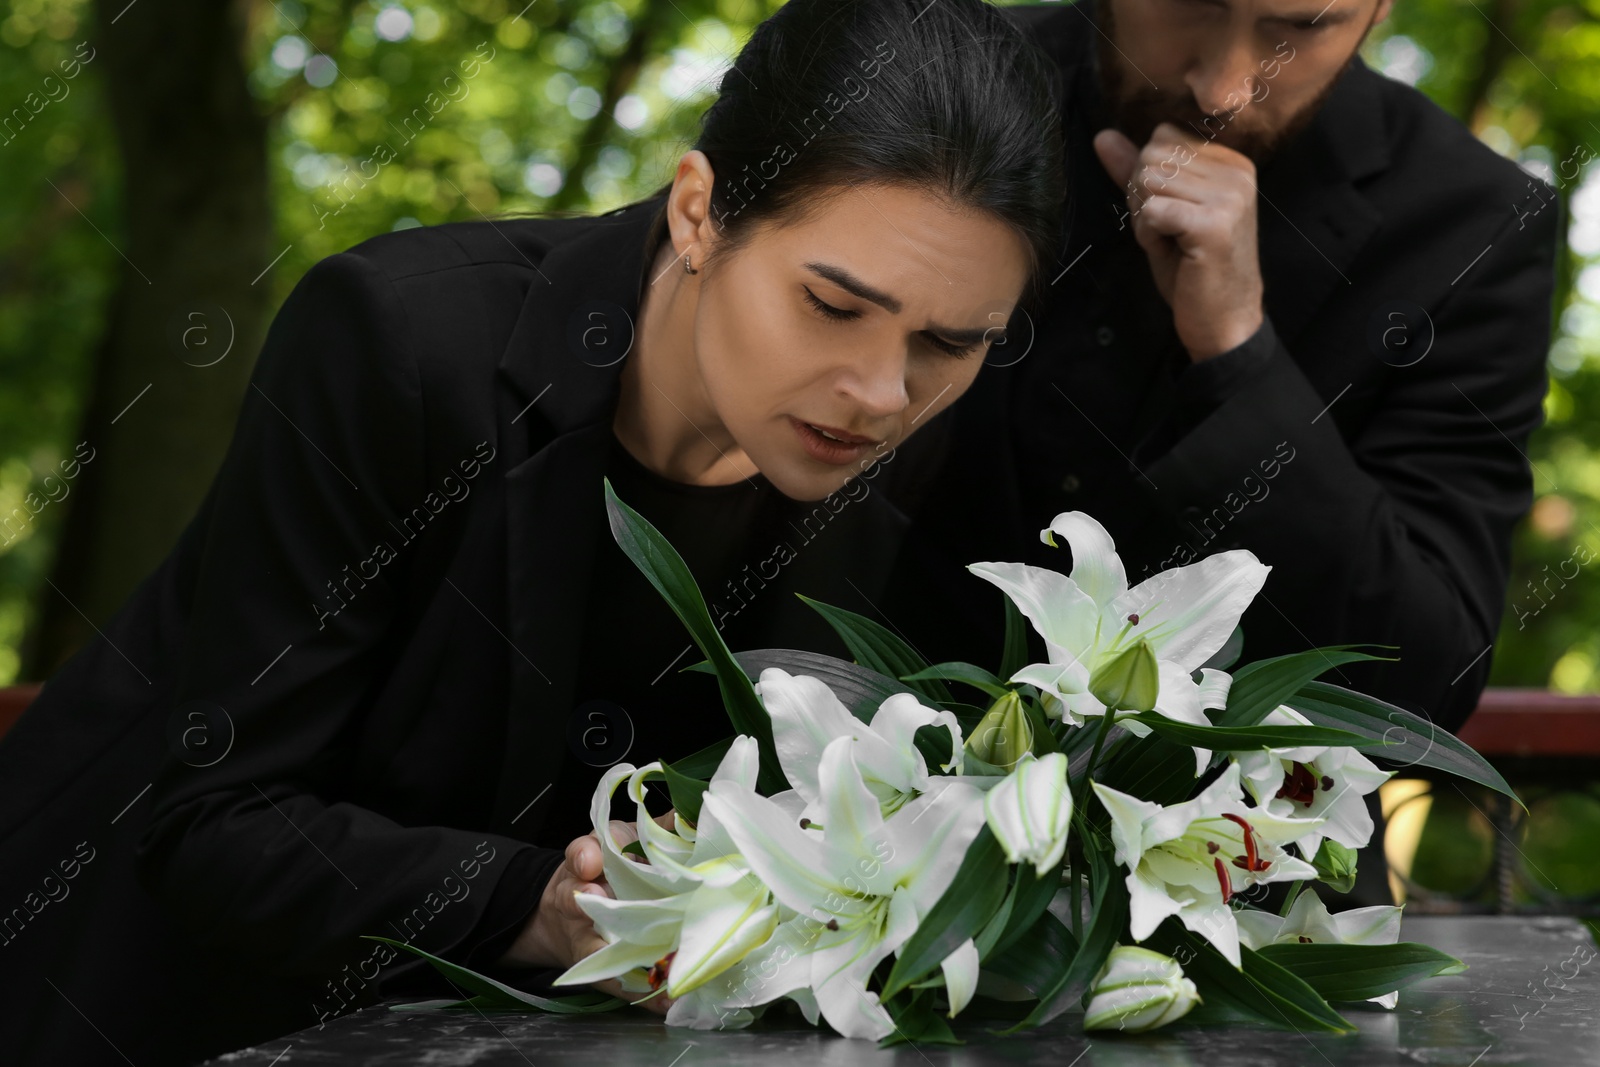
x=689, y=212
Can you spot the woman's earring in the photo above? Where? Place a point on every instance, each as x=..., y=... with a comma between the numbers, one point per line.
x=688, y=267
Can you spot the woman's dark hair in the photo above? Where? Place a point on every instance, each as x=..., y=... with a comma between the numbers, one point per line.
x=943, y=95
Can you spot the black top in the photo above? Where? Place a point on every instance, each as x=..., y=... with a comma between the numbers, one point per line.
x=634, y=701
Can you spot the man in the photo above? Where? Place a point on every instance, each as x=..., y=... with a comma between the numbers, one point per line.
x=1299, y=310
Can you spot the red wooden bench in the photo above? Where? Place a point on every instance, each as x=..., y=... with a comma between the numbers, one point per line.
x=1533, y=722
x=12, y=703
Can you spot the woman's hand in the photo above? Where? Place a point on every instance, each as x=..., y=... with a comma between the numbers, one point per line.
x=558, y=933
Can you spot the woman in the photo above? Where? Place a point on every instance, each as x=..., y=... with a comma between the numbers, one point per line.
x=372, y=687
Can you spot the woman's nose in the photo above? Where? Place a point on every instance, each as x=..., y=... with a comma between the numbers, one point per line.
x=878, y=387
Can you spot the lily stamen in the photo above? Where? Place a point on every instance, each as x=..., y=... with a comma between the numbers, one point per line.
x=1250, y=861
x=659, y=970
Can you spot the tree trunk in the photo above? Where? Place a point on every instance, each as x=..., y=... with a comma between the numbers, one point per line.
x=624, y=73
x=196, y=241
x=1497, y=49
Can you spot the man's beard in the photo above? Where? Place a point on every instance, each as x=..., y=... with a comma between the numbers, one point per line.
x=1137, y=109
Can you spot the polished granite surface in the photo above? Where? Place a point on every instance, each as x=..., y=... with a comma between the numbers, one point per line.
x=1530, y=995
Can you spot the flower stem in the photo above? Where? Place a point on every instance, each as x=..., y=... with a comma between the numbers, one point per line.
x=1100, y=739
x=1077, y=907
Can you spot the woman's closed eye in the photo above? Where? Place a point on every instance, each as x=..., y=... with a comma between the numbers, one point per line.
x=834, y=314
x=828, y=310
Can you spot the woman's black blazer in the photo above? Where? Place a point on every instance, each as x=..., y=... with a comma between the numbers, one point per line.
x=338, y=706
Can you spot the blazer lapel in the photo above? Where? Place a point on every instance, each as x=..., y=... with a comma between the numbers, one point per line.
x=561, y=371
x=1312, y=220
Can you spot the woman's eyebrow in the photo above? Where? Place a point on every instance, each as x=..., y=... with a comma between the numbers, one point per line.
x=856, y=287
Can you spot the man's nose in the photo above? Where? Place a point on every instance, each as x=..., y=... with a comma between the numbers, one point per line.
x=1225, y=77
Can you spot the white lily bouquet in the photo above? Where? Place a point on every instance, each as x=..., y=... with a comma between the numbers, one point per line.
x=1096, y=838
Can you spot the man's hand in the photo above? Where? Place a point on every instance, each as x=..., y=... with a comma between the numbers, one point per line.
x=559, y=934
x=1192, y=205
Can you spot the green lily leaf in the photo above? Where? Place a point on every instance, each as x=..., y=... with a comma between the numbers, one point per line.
x=704, y=764
x=1151, y=768
x=1237, y=738
x=916, y=1021
x=1261, y=686
x=1361, y=972
x=1412, y=739
x=958, y=671
x=492, y=991
x=1259, y=990
x=1030, y=895
x=971, y=899
x=665, y=569
x=859, y=688
x=876, y=647
x=1108, y=921
x=687, y=792
x=1038, y=959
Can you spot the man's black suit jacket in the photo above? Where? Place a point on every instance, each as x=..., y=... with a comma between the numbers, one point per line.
x=1369, y=443
x=339, y=706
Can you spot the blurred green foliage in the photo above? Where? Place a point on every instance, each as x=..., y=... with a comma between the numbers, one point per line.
x=1525, y=75
x=394, y=114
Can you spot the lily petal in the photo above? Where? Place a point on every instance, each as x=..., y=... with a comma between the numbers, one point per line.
x=1128, y=814
x=721, y=925
x=1063, y=614
x=792, y=862
x=806, y=715
x=961, y=975
x=1096, y=567
x=1188, y=613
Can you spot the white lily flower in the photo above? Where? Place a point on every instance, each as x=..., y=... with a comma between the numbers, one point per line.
x=1030, y=811
x=1185, y=613
x=859, y=882
x=1190, y=859
x=1136, y=990
x=1325, y=782
x=807, y=716
x=689, y=913
x=1309, y=920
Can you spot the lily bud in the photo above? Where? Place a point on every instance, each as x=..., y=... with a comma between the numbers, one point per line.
x=1137, y=989
x=729, y=915
x=1003, y=736
x=1336, y=865
x=1130, y=681
x=1030, y=811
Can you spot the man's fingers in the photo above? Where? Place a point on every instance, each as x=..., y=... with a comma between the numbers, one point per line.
x=1118, y=155
x=588, y=945
x=584, y=857
x=1187, y=223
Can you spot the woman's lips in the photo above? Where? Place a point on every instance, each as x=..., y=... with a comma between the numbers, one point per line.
x=825, y=449
x=847, y=438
